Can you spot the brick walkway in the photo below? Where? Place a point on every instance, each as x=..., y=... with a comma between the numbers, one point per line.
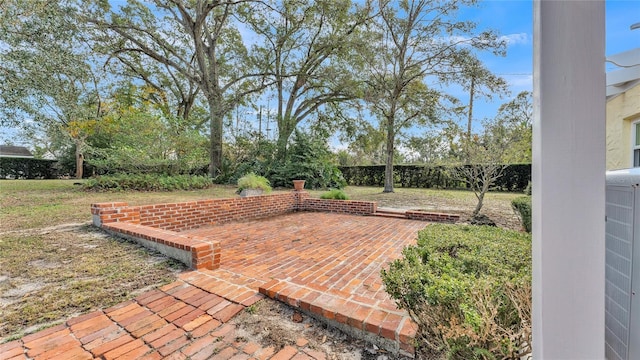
x=325, y=264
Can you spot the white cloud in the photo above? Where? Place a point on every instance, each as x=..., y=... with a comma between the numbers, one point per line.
x=515, y=39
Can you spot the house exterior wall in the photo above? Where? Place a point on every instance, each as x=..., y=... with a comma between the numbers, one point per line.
x=622, y=111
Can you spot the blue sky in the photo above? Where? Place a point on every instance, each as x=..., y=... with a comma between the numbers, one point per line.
x=514, y=19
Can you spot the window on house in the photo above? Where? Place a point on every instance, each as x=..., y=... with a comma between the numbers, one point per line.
x=636, y=143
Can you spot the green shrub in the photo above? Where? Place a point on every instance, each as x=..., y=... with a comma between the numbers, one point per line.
x=514, y=178
x=522, y=206
x=147, y=182
x=335, y=194
x=527, y=190
x=27, y=168
x=253, y=181
x=307, y=158
x=469, y=290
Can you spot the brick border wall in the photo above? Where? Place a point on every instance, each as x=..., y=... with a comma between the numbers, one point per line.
x=158, y=226
x=196, y=252
x=430, y=216
x=339, y=206
x=191, y=214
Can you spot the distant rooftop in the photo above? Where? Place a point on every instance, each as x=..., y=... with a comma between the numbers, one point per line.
x=628, y=73
x=15, y=151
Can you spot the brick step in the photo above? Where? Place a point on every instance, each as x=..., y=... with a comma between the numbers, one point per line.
x=385, y=210
x=391, y=330
x=389, y=215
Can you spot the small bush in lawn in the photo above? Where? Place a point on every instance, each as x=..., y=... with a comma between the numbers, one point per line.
x=522, y=206
x=253, y=181
x=147, y=182
x=335, y=194
x=469, y=290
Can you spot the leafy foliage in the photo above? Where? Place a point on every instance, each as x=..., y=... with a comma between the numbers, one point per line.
x=47, y=81
x=334, y=194
x=147, y=182
x=136, y=137
x=522, y=206
x=308, y=158
x=253, y=181
x=469, y=290
x=309, y=54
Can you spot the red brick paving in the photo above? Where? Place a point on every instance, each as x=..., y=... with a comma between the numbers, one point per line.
x=327, y=264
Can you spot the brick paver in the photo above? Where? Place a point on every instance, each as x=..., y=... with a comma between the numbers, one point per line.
x=327, y=264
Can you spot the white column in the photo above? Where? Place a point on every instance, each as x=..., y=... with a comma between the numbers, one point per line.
x=568, y=179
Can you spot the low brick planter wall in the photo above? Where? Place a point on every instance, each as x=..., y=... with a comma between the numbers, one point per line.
x=192, y=214
x=430, y=216
x=196, y=252
x=339, y=206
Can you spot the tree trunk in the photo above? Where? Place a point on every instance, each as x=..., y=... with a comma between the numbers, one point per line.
x=470, y=120
x=388, y=167
x=79, y=161
x=215, y=136
x=476, y=211
x=285, y=129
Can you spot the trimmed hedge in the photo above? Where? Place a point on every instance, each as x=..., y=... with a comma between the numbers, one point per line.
x=27, y=168
x=468, y=288
x=515, y=177
x=147, y=182
x=522, y=205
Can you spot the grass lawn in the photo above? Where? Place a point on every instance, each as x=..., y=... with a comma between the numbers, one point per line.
x=54, y=265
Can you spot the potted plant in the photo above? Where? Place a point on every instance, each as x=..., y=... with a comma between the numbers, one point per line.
x=298, y=185
x=253, y=185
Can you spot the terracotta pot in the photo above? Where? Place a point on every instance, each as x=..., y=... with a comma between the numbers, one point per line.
x=298, y=185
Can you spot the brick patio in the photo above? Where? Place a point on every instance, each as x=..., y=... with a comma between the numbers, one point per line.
x=325, y=264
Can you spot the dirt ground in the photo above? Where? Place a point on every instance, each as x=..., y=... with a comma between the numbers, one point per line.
x=271, y=323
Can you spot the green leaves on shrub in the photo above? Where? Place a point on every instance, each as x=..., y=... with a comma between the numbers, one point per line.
x=253, y=181
x=469, y=290
x=522, y=205
x=147, y=182
x=335, y=194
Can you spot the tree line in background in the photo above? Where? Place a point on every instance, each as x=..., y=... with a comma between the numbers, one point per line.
x=166, y=86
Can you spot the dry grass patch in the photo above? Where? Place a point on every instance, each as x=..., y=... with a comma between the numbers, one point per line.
x=50, y=275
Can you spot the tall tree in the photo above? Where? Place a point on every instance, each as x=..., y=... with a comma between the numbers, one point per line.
x=309, y=54
x=480, y=82
x=47, y=79
x=195, y=38
x=416, y=40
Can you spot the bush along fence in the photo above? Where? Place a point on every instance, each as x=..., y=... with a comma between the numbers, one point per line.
x=159, y=226
x=515, y=177
x=27, y=168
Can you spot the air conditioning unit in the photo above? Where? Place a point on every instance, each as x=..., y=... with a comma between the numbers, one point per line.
x=622, y=274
